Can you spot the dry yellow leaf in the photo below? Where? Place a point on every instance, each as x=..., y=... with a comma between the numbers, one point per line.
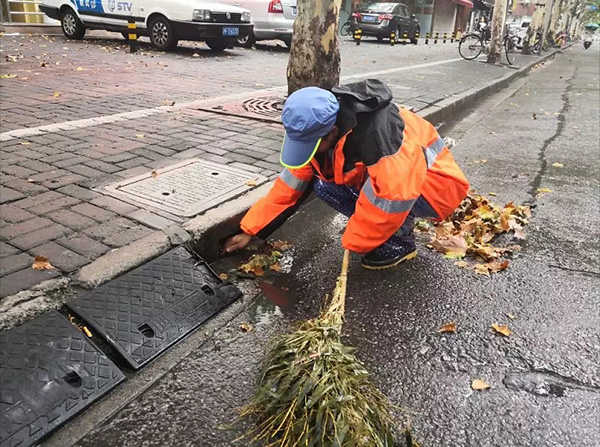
x=511, y=316
x=87, y=332
x=462, y=264
x=281, y=245
x=493, y=194
x=56, y=94
x=139, y=135
x=79, y=68
x=448, y=327
x=223, y=276
x=246, y=327
x=24, y=143
x=30, y=180
x=542, y=191
x=41, y=263
x=557, y=165
x=502, y=329
x=478, y=384
x=251, y=183
x=275, y=267
x=154, y=173
x=481, y=269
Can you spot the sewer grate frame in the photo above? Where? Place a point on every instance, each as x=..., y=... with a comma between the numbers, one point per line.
x=139, y=190
x=263, y=108
x=49, y=371
x=144, y=312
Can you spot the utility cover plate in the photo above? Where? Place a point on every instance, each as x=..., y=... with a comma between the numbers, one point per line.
x=147, y=310
x=188, y=188
x=49, y=371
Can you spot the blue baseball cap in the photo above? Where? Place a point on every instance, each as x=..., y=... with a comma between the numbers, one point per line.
x=308, y=115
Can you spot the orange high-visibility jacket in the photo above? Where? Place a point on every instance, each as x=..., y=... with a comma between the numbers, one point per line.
x=392, y=155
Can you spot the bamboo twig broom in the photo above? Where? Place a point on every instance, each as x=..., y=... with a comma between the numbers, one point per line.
x=314, y=392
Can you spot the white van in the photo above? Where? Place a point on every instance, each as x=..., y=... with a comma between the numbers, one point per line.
x=273, y=19
x=164, y=21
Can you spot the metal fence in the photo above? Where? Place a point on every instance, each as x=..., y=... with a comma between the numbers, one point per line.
x=22, y=11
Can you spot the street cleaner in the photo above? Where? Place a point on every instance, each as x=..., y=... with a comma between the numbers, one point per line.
x=378, y=164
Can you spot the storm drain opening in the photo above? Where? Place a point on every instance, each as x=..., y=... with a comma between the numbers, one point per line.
x=187, y=188
x=264, y=108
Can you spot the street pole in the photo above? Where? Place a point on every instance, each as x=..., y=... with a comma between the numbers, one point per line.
x=498, y=21
x=547, y=17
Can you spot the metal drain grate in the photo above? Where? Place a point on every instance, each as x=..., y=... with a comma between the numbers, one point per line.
x=266, y=108
x=49, y=371
x=147, y=310
x=187, y=188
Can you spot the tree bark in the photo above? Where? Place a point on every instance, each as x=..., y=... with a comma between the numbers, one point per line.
x=498, y=22
x=534, y=27
x=315, y=54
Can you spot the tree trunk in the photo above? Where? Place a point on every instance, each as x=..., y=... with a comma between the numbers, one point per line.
x=315, y=54
x=498, y=21
x=534, y=27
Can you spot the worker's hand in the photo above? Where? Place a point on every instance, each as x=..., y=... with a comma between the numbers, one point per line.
x=237, y=242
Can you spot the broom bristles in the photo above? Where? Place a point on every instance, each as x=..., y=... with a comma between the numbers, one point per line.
x=314, y=392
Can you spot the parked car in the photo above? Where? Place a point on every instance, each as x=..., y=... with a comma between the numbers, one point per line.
x=164, y=21
x=380, y=19
x=273, y=19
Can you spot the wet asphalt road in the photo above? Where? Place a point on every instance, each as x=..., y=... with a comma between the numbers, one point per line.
x=545, y=377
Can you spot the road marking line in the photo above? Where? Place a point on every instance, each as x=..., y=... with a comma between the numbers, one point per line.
x=104, y=119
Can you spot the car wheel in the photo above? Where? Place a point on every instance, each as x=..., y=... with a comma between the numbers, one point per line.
x=71, y=25
x=217, y=44
x=161, y=34
x=246, y=42
x=287, y=41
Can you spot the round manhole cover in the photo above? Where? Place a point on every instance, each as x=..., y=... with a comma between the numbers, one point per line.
x=270, y=107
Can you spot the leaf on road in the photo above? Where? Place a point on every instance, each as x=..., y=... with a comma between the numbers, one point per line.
x=168, y=102
x=247, y=327
x=502, y=329
x=223, y=276
x=79, y=68
x=275, y=267
x=8, y=76
x=478, y=384
x=139, y=135
x=41, y=263
x=448, y=327
x=281, y=245
x=534, y=116
x=56, y=94
x=497, y=266
x=258, y=264
x=154, y=173
x=454, y=245
x=422, y=225
x=86, y=331
x=24, y=143
x=251, y=183
x=482, y=269
x=558, y=165
x=543, y=191
x=462, y=264
x=493, y=194
x=511, y=316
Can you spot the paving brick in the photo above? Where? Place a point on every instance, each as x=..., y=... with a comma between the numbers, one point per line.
x=38, y=199
x=36, y=166
x=60, y=257
x=114, y=205
x=245, y=167
x=217, y=158
x=19, y=229
x=146, y=153
x=134, y=163
x=86, y=171
x=52, y=205
x=78, y=192
x=27, y=188
x=93, y=212
x=58, y=157
x=117, y=158
x=35, y=238
x=104, y=167
x=7, y=250
x=189, y=153
x=150, y=219
x=9, y=194
x=24, y=279
x=133, y=172
x=70, y=219
x=67, y=179
x=272, y=166
x=14, y=263
x=14, y=214
x=128, y=236
x=17, y=171
x=214, y=150
x=109, y=228
x=73, y=160
x=83, y=245
x=49, y=175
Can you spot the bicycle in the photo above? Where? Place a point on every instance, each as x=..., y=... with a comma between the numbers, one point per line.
x=346, y=28
x=473, y=44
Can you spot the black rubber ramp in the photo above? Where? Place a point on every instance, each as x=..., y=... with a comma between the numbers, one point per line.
x=49, y=371
x=150, y=308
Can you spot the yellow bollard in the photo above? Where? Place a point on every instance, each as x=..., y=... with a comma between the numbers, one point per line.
x=133, y=47
x=445, y=37
x=357, y=36
x=437, y=36
x=427, y=39
x=392, y=38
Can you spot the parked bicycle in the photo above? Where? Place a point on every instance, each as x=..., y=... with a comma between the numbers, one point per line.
x=474, y=44
x=346, y=28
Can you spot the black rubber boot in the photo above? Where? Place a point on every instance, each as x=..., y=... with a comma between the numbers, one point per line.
x=380, y=259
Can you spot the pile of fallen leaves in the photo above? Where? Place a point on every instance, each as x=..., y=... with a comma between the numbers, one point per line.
x=473, y=228
x=260, y=263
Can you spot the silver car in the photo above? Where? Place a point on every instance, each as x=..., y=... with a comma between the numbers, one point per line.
x=273, y=19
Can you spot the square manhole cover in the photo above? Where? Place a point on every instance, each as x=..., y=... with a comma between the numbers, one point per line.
x=186, y=189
